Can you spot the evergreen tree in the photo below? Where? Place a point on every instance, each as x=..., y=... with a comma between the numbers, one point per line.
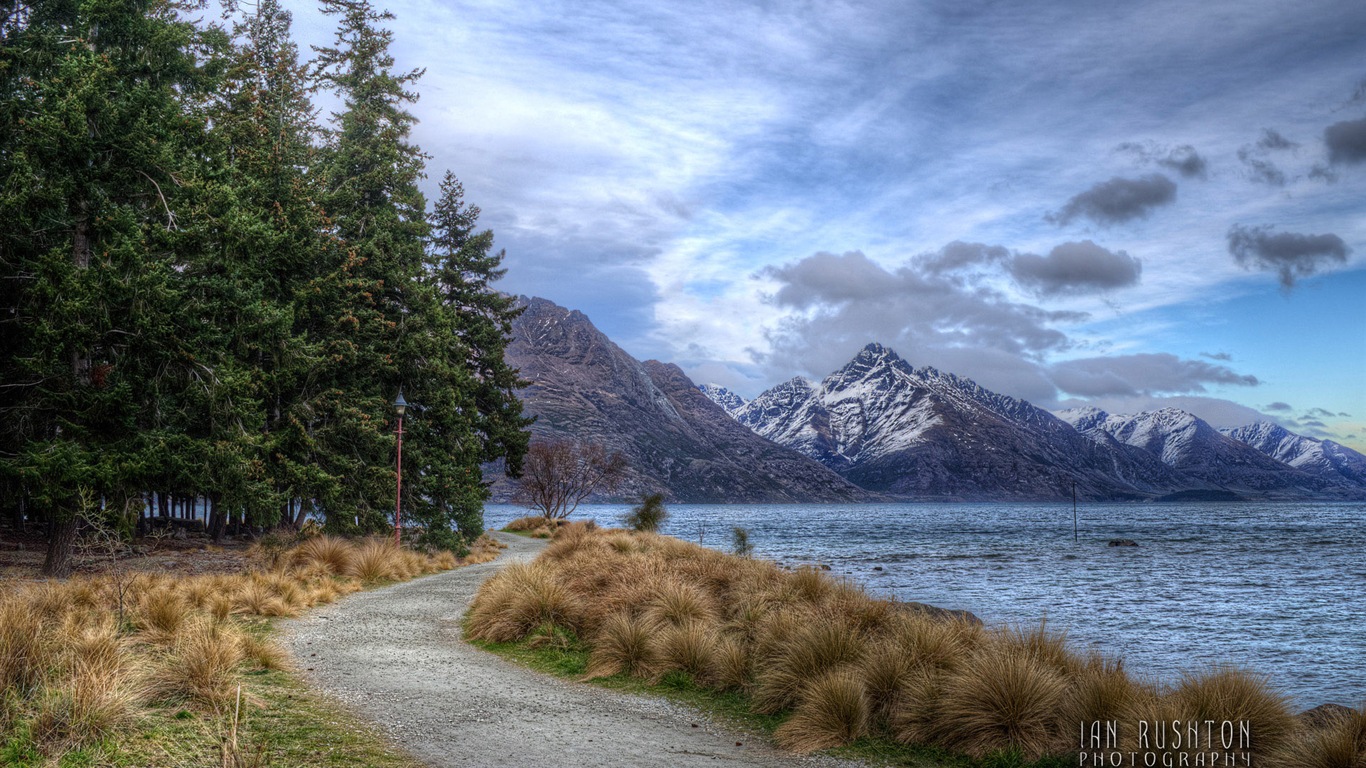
x=93, y=141
x=465, y=267
x=371, y=176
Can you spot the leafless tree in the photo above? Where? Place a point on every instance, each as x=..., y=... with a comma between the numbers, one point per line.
x=559, y=474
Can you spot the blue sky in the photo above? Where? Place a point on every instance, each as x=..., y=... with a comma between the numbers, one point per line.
x=1127, y=204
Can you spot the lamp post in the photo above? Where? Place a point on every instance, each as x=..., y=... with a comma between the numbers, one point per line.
x=400, y=405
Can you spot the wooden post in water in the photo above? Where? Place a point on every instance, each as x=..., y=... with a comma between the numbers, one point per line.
x=1074, y=512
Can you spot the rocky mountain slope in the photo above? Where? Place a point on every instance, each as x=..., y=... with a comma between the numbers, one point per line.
x=1197, y=450
x=1325, y=459
x=920, y=432
x=677, y=440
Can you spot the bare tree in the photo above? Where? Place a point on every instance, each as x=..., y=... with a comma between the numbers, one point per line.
x=559, y=474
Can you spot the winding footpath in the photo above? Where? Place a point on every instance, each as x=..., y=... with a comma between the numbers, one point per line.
x=396, y=656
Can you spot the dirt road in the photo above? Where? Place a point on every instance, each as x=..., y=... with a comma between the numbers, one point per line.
x=396, y=656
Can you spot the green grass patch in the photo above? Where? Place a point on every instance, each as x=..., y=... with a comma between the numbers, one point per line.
x=567, y=657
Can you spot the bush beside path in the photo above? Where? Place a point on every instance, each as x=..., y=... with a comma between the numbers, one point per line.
x=396, y=656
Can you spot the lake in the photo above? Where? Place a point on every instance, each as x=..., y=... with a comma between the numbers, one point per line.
x=1279, y=588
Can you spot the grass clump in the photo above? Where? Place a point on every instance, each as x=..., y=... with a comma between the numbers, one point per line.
x=821, y=664
x=90, y=667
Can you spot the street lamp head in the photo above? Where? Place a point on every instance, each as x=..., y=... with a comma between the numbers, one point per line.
x=400, y=405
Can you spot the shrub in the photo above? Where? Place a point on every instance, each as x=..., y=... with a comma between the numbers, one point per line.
x=739, y=542
x=648, y=515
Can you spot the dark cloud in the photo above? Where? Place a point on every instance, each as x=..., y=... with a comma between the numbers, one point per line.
x=1183, y=159
x=1117, y=200
x=1075, y=268
x=959, y=255
x=1217, y=356
x=1256, y=158
x=1346, y=142
x=1312, y=423
x=1289, y=254
x=932, y=311
x=1260, y=169
x=1321, y=413
x=1273, y=140
x=1323, y=173
x=1345, y=415
x=1142, y=374
x=1279, y=407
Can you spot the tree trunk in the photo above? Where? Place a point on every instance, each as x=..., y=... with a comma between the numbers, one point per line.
x=19, y=505
x=162, y=505
x=61, y=539
x=218, y=522
x=305, y=506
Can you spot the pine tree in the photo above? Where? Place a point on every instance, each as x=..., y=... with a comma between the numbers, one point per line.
x=375, y=306
x=93, y=138
x=465, y=267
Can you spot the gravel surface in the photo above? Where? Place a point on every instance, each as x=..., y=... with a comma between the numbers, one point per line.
x=395, y=655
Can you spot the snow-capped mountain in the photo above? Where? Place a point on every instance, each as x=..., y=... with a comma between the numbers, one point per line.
x=728, y=400
x=1326, y=459
x=888, y=426
x=1195, y=449
x=583, y=386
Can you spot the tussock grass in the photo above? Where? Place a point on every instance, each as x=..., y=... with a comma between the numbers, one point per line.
x=1339, y=743
x=689, y=647
x=832, y=710
x=840, y=666
x=76, y=672
x=623, y=646
x=1001, y=700
x=1227, y=693
x=334, y=554
x=526, y=596
x=816, y=647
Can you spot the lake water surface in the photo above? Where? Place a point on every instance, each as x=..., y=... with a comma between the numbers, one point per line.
x=1278, y=588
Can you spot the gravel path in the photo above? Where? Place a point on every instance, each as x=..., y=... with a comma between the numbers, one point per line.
x=396, y=656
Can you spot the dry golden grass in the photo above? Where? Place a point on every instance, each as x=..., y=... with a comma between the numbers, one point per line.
x=91, y=702
x=335, y=554
x=1227, y=693
x=840, y=662
x=818, y=645
x=202, y=664
x=76, y=671
x=832, y=710
x=1339, y=743
x=521, y=598
x=689, y=648
x=623, y=645
x=379, y=560
x=24, y=656
x=1001, y=699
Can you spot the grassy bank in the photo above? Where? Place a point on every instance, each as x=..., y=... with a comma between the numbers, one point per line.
x=146, y=669
x=819, y=664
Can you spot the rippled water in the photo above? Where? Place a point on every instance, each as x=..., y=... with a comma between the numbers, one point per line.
x=1279, y=588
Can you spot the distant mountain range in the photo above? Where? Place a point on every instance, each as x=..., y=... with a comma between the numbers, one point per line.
x=879, y=428
x=676, y=440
